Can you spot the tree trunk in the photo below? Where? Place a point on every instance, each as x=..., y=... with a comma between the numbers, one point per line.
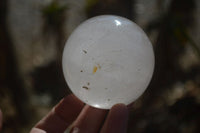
x=11, y=77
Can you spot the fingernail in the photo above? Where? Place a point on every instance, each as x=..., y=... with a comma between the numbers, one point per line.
x=74, y=130
x=37, y=130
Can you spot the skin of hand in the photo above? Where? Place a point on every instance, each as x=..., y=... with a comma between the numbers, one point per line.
x=70, y=111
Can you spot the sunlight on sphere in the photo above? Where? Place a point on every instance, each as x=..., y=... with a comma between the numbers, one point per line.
x=108, y=60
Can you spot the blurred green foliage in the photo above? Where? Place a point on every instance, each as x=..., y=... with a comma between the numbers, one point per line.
x=53, y=14
x=90, y=4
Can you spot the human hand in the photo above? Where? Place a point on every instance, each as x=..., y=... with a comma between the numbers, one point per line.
x=84, y=118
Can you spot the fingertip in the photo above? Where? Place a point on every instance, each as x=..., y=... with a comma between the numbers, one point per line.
x=69, y=106
x=117, y=120
x=130, y=106
x=89, y=120
x=119, y=106
x=37, y=130
x=71, y=99
x=120, y=109
x=71, y=96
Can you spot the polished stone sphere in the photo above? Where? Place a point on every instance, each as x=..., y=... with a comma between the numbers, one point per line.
x=108, y=60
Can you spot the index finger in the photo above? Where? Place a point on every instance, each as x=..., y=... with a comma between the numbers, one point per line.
x=60, y=117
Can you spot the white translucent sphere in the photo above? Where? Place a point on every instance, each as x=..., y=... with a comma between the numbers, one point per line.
x=108, y=60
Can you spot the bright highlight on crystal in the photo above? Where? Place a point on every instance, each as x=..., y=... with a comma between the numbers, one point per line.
x=108, y=60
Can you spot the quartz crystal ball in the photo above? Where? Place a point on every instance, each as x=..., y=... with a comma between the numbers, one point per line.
x=108, y=60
